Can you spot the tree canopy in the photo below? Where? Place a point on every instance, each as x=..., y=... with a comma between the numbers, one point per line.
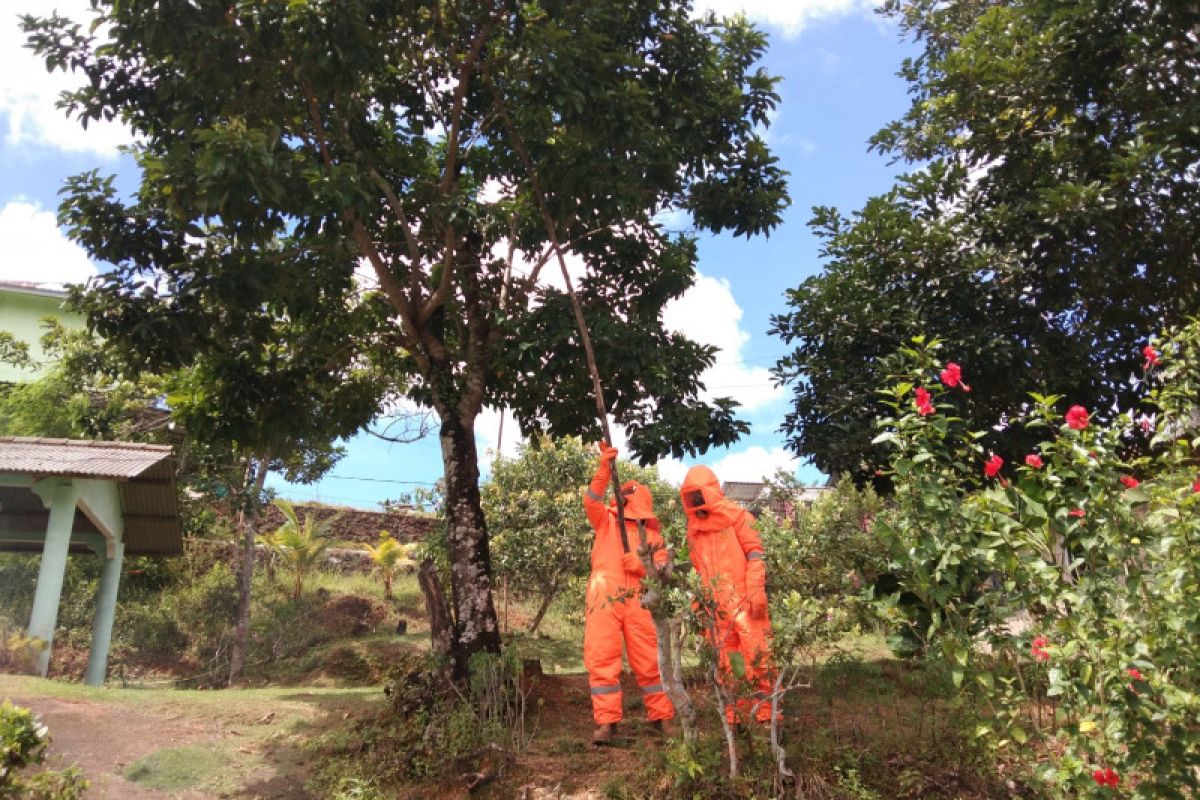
x=1048, y=230
x=378, y=185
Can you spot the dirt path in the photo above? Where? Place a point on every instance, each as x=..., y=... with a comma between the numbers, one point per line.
x=103, y=740
x=140, y=744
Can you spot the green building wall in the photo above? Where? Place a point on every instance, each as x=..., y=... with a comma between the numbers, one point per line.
x=22, y=310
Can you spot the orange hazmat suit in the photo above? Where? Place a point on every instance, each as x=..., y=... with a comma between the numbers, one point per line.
x=614, y=610
x=727, y=553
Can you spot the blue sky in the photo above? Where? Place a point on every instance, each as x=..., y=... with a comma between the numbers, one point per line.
x=838, y=62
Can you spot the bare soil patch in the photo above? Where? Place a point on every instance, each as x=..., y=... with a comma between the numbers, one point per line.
x=189, y=745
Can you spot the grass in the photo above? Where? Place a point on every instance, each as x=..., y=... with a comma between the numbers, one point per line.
x=176, y=768
x=251, y=737
x=236, y=705
x=866, y=726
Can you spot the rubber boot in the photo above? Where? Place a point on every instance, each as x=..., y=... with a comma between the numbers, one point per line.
x=604, y=734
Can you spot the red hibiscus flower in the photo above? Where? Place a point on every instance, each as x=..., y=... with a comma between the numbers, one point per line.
x=1145, y=423
x=1130, y=481
x=1134, y=673
x=1106, y=777
x=1196, y=485
x=991, y=467
x=1077, y=417
x=1151, y=357
x=1078, y=513
x=1038, y=648
x=1034, y=460
x=952, y=376
x=923, y=402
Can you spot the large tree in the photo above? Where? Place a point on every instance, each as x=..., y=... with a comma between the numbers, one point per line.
x=442, y=149
x=1048, y=231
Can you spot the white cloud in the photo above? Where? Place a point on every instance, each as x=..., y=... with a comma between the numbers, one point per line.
x=35, y=250
x=671, y=470
x=708, y=313
x=488, y=431
x=674, y=219
x=805, y=145
x=753, y=464
x=550, y=271
x=791, y=16
x=28, y=92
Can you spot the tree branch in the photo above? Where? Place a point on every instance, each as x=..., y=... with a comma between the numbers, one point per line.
x=581, y=323
x=410, y=237
x=450, y=172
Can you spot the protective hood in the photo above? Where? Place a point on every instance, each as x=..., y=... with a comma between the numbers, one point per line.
x=718, y=512
x=639, y=504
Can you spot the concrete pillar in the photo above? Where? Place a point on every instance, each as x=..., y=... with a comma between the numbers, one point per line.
x=60, y=497
x=102, y=622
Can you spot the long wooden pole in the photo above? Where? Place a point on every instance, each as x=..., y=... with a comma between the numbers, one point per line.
x=580, y=323
x=668, y=662
x=586, y=339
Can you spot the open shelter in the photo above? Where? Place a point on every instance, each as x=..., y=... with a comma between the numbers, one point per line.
x=110, y=499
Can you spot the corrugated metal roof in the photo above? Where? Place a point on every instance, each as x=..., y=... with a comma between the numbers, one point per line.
x=753, y=496
x=145, y=476
x=742, y=491
x=40, y=288
x=79, y=459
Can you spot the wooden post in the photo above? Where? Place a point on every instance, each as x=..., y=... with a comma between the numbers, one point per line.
x=441, y=627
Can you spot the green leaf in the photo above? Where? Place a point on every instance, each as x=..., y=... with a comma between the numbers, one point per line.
x=1135, y=495
x=737, y=665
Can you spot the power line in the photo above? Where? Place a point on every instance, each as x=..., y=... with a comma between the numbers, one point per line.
x=319, y=497
x=375, y=480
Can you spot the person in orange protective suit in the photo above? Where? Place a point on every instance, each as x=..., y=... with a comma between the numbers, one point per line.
x=614, y=610
x=727, y=553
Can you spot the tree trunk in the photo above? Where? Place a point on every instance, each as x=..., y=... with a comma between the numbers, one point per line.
x=476, y=628
x=670, y=671
x=547, y=598
x=441, y=627
x=246, y=518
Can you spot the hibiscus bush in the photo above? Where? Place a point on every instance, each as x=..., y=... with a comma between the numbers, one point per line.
x=1059, y=591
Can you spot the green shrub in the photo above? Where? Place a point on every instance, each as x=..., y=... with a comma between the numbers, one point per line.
x=428, y=730
x=207, y=606
x=18, y=650
x=23, y=743
x=1071, y=576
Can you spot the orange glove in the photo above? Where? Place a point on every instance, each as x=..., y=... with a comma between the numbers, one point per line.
x=633, y=565
x=603, y=474
x=756, y=585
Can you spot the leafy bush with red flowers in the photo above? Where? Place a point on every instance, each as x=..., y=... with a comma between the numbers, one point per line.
x=1061, y=592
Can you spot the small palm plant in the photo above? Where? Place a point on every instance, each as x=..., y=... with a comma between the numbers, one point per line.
x=390, y=556
x=301, y=546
